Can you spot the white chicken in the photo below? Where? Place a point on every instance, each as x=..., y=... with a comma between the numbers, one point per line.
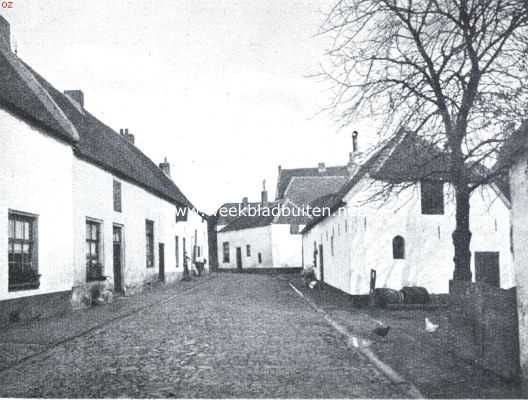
x=312, y=284
x=430, y=327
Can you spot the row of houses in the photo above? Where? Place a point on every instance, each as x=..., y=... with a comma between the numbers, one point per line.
x=368, y=236
x=83, y=211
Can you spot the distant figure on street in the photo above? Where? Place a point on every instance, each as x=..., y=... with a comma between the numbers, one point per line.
x=309, y=276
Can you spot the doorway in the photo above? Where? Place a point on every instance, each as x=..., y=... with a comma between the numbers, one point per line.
x=161, y=262
x=487, y=267
x=321, y=262
x=118, y=258
x=239, y=257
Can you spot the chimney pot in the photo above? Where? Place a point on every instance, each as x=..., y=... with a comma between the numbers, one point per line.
x=128, y=136
x=355, y=141
x=264, y=194
x=165, y=167
x=245, y=202
x=5, y=34
x=76, y=95
x=321, y=167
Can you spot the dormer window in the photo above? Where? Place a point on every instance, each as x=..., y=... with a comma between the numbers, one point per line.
x=432, y=196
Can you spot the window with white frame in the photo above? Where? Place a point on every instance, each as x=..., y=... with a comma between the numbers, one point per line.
x=94, y=264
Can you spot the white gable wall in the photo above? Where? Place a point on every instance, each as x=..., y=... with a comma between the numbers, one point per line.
x=367, y=243
x=258, y=238
x=36, y=178
x=287, y=247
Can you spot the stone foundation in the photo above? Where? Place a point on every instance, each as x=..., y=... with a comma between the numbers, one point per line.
x=34, y=307
x=483, y=327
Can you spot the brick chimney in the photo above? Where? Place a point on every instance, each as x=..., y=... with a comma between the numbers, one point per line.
x=245, y=202
x=264, y=194
x=355, y=141
x=76, y=95
x=352, y=165
x=165, y=167
x=322, y=168
x=5, y=34
x=127, y=136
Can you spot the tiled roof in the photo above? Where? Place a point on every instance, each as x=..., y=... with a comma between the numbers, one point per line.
x=227, y=219
x=272, y=216
x=36, y=99
x=23, y=94
x=286, y=175
x=303, y=190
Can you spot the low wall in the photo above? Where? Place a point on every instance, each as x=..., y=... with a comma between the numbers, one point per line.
x=34, y=307
x=483, y=327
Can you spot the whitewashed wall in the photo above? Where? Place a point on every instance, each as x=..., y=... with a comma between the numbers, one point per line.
x=36, y=177
x=367, y=242
x=519, y=194
x=93, y=198
x=258, y=238
x=286, y=248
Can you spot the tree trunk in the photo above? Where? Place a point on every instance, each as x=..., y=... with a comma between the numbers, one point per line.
x=462, y=235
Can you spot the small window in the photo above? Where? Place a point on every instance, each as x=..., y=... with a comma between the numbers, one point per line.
x=181, y=213
x=94, y=264
x=248, y=250
x=177, y=250
x=398, y=248
x=22, y=252
x=117, y=196
x=260, y=258
x=432, y=194
x=225, y=248
x=294, y=229
x=149, y=238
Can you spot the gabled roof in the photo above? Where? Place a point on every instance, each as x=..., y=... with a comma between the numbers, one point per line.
x=302, y=190
x=35, y=99
x=405, y=158
x=286, y=175
x=22, y=94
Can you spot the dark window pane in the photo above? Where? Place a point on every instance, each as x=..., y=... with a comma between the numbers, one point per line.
x=398, y=248
x=432, y=196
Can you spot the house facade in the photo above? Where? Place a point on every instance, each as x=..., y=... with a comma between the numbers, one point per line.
x=371, y=238
x=83, y=212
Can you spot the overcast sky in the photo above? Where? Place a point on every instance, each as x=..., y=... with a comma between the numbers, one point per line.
x=220, y=88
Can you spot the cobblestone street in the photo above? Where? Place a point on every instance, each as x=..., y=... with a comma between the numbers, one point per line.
x=232, y=336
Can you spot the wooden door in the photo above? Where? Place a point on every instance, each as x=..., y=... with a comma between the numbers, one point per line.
x=162, y=262
x=118, y=258
x=487, y=267
x=239, y=257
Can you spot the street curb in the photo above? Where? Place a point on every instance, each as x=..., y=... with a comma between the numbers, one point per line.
x=102, y=324
x=384, y=368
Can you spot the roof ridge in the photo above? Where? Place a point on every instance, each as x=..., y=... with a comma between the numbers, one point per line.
x=28, y=76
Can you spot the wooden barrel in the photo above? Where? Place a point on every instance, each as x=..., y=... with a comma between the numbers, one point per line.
x=384, y=296
x=415, y=295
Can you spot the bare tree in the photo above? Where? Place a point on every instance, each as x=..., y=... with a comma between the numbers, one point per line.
x=453, y=71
